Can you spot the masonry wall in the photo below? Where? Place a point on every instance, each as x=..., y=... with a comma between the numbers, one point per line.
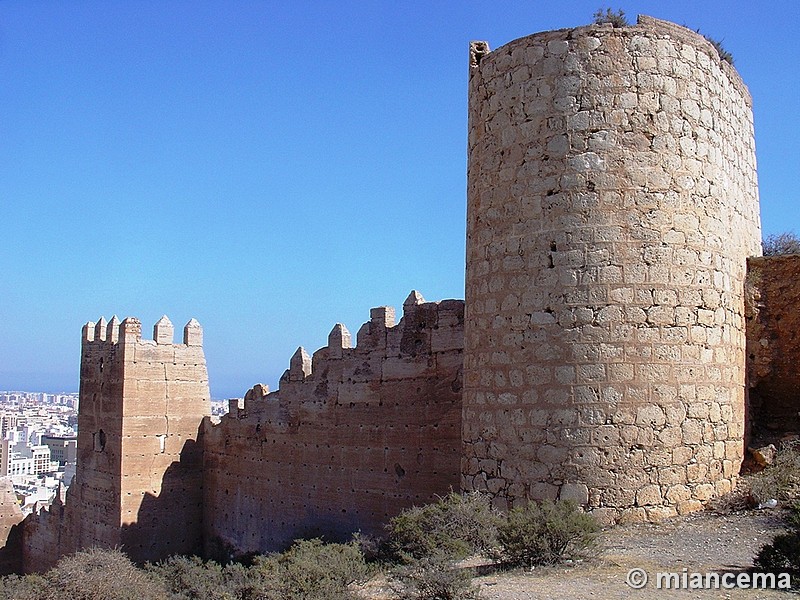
x=353, y=436
x=612, y=202
x=773, y=343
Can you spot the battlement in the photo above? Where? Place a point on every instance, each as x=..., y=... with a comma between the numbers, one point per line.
x=129, y=331
x=612, y=203
x=424, y=327
x=142, y=402
x=355, y=432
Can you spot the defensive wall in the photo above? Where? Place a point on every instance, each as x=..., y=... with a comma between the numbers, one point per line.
x=773, y=344
x=604, y=343
x=353, y=436
x=10, y=529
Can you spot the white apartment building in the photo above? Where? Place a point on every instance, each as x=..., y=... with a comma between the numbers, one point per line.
x=18, y=460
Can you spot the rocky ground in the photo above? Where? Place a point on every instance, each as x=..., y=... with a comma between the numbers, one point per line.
x=701, y=542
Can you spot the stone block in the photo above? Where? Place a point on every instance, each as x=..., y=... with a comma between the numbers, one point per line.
x=649, y=495
x=578, y=492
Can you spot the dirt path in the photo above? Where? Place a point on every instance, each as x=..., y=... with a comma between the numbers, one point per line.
x=702, y=542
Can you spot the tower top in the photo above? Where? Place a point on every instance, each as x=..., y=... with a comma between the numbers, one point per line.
x=130, y=331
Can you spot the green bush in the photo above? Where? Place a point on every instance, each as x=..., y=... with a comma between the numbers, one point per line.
x=782, y=555
x=546, y=534
x=432, y=578
x=617, y=19
x=310, y=570
x=191, y=577
x=723, y=53
x=456, y=526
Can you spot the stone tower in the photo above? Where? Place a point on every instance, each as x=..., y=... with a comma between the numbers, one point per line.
x=612, y=202
x=139, y=478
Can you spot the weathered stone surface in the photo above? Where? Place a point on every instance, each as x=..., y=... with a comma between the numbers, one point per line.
x=577, y=492
x=10, y=529
x=612, y=203
x=765, y=455
x=345, y=444
x=773, y=353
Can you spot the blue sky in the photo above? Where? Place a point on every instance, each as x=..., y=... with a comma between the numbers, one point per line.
x=272, y=168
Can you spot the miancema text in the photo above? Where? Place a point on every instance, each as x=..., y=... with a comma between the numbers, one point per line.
x=717, y=580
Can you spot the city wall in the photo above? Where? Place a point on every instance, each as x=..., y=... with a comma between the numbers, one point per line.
x=773, y=343
x=353, y=436
x=10, y=529
x=612, y=208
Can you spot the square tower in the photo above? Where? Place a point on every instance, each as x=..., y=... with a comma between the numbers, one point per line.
x=139, y=475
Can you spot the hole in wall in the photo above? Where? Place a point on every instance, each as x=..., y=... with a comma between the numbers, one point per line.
x=99, y=440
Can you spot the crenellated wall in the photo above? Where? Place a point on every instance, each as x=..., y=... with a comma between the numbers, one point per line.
x=612, y=205
x=353, y=436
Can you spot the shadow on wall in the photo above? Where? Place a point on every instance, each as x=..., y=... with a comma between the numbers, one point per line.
x=171, y=522
x=331, y=528
x=11, y=552
x=773, y=344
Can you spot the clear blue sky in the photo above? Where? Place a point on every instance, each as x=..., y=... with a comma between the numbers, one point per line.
x=271, y=168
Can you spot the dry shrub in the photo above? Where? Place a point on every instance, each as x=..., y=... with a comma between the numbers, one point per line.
x=107, y=574
x=781, y=243
x=432, y=578
x=309, y=570
x=457, y=526
x=781, y=480
x=547, y=533
x=617, y=19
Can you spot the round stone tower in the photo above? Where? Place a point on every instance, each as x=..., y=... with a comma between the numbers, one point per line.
x=612, y=203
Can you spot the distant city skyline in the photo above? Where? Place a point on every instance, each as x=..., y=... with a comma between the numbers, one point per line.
x=271, y=168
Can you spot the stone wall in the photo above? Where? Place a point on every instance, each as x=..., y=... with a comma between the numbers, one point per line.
x=612, y=202
x=773, y=343
x=353, y=436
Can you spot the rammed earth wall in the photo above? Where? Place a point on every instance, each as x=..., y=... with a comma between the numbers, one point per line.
x=139, y=479
x=353, y=436
x=773, y=343
x=612, y=203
